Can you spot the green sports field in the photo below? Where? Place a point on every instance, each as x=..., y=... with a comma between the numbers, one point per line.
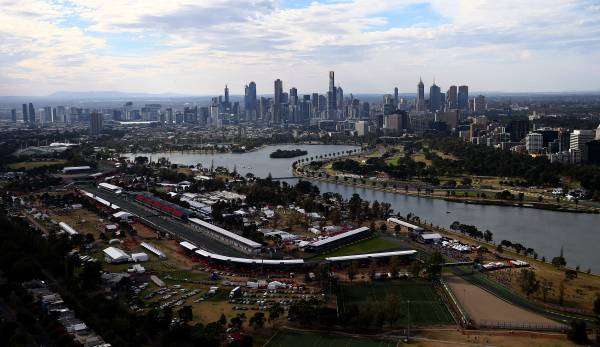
x=416, y=297
x=289, y=338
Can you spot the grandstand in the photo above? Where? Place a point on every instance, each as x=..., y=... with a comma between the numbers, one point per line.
x=226, y=236
x=338, y=240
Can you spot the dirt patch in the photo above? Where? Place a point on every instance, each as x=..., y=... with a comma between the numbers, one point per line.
x=484, y=307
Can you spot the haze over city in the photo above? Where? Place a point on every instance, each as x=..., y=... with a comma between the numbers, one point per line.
x=195, y=48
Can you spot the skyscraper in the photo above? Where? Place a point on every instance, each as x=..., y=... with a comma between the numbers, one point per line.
x=96, y=123
x=227, y=104
x=277, y=100
x=396, y=100
x=13, y=115
x=463, y=97
x=250, y=102
x=25, y=114
x=479, y=103
x=435, y=98
x=451, y=98
x=420, y=104
x=31, y=114
x=331, y=97
x=293, y=100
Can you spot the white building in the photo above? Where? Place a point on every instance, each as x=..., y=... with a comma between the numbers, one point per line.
x=115, y=255
x=534, y=142
x=577, y=143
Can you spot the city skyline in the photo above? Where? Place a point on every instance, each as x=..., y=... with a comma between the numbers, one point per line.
x=185, y=48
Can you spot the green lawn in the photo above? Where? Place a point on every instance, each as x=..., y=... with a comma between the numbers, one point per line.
x=418, y=296
x=27, y=165
x=288, y=338
x=372, y=245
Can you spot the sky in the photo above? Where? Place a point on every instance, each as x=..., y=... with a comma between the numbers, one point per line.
x=196, y=47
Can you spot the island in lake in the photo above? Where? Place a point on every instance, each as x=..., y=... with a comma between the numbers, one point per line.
x=288, y=153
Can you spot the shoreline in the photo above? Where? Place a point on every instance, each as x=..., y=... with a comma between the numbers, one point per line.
x=470, y=200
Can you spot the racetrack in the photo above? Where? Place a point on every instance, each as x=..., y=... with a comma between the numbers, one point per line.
x=487, y=310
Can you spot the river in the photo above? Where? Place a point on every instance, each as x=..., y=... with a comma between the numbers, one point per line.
x=545, y=231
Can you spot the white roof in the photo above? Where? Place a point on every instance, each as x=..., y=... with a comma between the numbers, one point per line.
x=153, y=249
x=431, y=236
x=225, y=233
x=210, y=255
x=339, y=236
x=122, y=214
x=403, y=223
x=67, y=228
x=115, y=253
x=187, y=245
x=109, y=186
x=371, y=255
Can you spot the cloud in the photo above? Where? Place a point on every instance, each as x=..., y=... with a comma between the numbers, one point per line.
x=197, y=46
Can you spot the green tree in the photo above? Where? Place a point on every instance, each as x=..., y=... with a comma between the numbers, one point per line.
x=275, y=311
x=258, y=320
x=528, y=282
x=433, y=265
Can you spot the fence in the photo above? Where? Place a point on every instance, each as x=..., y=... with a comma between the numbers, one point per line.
x=455, y=306
x=485, y=324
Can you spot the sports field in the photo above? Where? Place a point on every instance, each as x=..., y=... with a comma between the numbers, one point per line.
x=289, y=338
x=372, y=245
x=416, y=297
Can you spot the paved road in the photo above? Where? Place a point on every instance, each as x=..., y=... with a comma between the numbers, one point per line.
x=179, y=228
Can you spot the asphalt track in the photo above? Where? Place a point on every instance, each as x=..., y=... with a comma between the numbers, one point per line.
x=166, y=224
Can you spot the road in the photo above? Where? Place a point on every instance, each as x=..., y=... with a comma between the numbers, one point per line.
x=173, y=226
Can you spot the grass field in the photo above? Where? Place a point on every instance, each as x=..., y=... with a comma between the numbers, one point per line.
x=375, y=244
x=426, y=307
x=27, y=165
x=288, y=338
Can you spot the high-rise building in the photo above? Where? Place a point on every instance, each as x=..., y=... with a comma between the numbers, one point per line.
x=25, y=114
x=96, y=123
x=598, y=133
x=277, y=101
x=534, y=142
x=396, y=100
x=420, y=103
x=47, y=118
x=580, y=137
x=293, y=98
x=517, y=129
x=250, y=102
x=226, y=103
x=435, y=98
x=479, y=104
x=31, y=113
x=463, y=97
x=13, y=115
x=395, y=123
x=361, y=127
x=451, y=98
x=339, y=98
x=450, y=118
x=331, y=98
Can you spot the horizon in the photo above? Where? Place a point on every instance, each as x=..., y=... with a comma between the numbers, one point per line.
x=183, y=48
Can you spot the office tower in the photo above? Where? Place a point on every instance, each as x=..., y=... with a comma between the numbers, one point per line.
x=580, y=137
x=463, y=97
x=293, y=96
x=331, y=98
x=339, y=97
x=534, y=142
x=13, y=115
x=479, y=104
x=250, y=102
x=31, y=114
x=96, y=123
x=278, y=94
x=277, y=101
x=592, y=150
x=396, y=100
x=420, y=103
x=435, y=98
x=517, y=129
x=365, y=111
x=117, y=115
x=451, y=98
x=226, y=104
x=598, y=133
x=388, y=104
x=361, y=127
x=395, y=123
x=25, y=115
x=450, y=118
x=263, y=107
x=61, y=114
x=47, y=115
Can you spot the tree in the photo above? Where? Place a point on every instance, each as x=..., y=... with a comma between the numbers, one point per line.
x=275, y=311
x=546, y=287
x=352, y=270
x=578, y=332
x=185, y=313
x=433, y=265
x=488, y=236
x=415, y=268
x=528, y=281
x=258, y=320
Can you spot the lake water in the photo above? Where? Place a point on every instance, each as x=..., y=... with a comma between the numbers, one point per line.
x=545, y=231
